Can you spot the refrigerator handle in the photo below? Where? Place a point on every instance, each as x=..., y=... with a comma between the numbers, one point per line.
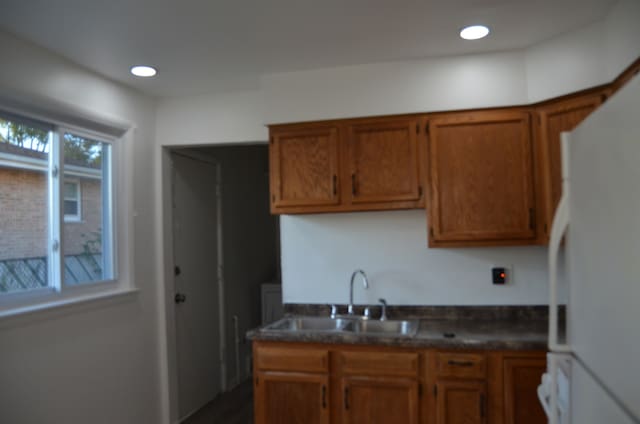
x=558, y=229
x=543, y=401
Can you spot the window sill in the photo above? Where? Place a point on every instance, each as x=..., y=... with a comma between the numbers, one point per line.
x=64, y=306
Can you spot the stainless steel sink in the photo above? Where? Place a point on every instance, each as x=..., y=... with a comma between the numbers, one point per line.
x=347, y=325
x=389, y=327
x=311, y=324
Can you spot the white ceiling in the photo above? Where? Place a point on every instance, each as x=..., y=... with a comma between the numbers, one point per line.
x=202, y=46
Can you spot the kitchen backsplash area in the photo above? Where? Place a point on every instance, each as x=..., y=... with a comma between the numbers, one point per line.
x=319, y=253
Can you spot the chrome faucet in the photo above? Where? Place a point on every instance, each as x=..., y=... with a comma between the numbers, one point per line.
x=334, y=312
x=383, y=314
x=365, y=283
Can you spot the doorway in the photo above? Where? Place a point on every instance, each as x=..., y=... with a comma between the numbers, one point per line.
x=215, y=193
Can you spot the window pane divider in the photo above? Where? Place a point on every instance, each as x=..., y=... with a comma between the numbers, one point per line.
x=55, y=247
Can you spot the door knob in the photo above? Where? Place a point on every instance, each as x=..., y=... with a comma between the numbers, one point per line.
x=180, y=298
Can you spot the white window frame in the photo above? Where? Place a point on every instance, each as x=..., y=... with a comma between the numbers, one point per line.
x=58, y=294
x=78, y=185
x=108, y=218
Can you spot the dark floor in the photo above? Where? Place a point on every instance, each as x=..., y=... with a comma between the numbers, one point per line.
x=233, y=407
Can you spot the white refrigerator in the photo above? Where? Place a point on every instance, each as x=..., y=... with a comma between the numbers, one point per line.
x=594, y=369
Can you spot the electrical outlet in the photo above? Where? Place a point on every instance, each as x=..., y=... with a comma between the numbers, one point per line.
x=502, y=274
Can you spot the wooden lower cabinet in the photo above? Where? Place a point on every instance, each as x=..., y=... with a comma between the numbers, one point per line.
x=379, y=400
x=346, y=384
x=513, y=380
x=291, y=398
x=521, y=379
x=461, y=402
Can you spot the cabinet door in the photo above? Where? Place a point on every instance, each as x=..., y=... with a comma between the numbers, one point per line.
x=521, y=379
x=379, y=400
x=460, y=402
x=383, y=161
x=563, y=115
x=481, y=179
x=304, y=168
x=291, y=398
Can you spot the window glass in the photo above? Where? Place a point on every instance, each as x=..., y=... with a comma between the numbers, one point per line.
x=71, y=200
x=24, y=211
x=87, y=244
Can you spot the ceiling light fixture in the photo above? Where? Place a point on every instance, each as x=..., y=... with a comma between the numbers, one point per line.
x=143, y=71
x=474, y=32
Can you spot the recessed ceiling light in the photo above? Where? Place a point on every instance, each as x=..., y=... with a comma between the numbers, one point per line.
x=474, y=32
x=143, y=71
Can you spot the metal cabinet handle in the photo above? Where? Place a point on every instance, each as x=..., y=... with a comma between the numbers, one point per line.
x=532, y=219
x=180, y=298
x=324, y=397
x=335, y=185
x=353, y=184
x=481, y=406
x=460, y=363
x=346, y=398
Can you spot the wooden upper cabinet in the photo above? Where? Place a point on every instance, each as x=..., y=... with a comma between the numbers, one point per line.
x=347, y=165
x=383, y=161
x=521, y=379
x=554, y=118
x=481, y=179
x=304, y=167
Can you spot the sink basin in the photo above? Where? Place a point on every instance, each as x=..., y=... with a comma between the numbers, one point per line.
x=311, y=324
x=349, y=325
x=389, y=327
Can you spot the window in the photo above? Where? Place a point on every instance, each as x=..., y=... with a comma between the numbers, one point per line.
x=72, y=201
x=56, y=207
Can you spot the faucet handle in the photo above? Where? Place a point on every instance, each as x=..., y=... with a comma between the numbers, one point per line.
x=367, y=313
x=383, y=314
x=334, y=311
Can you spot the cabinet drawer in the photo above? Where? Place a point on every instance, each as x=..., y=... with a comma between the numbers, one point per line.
x=462, y=365
x=292, y=359
x=403, y=364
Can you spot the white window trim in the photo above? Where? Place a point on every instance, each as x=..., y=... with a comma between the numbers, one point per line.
x=63, y=297
x=77, y=217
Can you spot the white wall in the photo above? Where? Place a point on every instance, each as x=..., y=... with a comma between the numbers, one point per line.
x=402, y=87
x=225, y=118
x=590, y=56
x=565, y=64
x=621, y=37
x=97, y=362
x=319, y=253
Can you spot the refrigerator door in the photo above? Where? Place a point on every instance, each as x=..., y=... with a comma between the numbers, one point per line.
x=603, y=247
x=590, y=403
x=554, y=391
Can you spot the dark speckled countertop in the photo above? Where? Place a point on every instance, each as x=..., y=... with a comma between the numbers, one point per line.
x=476, y=327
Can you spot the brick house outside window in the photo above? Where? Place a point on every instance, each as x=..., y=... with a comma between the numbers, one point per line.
x=23, y=218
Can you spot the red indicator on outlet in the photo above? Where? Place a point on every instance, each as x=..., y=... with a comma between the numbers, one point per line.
x=499, y=275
